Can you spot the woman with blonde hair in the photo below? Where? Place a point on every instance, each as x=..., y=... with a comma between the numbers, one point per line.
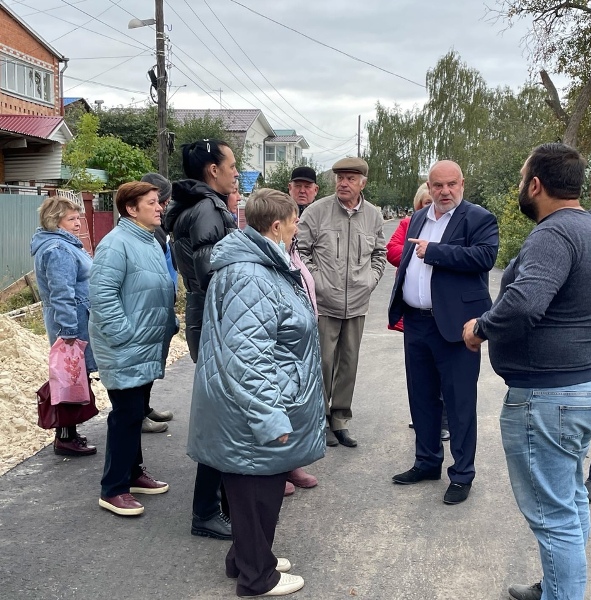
x=62, y=269
x=396, y=244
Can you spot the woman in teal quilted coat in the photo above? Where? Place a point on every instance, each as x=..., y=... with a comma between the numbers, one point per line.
x=132, y=321
x=257, y=410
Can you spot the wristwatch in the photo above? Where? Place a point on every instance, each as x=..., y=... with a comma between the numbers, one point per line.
x=478, y=332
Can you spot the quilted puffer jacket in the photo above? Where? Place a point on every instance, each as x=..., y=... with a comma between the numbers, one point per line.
x=258, y=374
x=197, y=218
x=131, y=317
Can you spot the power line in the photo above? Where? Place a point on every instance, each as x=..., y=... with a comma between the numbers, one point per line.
x=106, y=71
x=365, y=62
x=265, y=78
x=269, y=110
x=59, y=37
x=199, y=78
x=103, y=35
x=115, y=87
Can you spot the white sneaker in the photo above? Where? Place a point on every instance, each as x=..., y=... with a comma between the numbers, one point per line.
x=287, y=585
x=283, y=565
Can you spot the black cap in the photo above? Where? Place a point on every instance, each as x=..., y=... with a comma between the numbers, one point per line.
x=303, y=173
x=164, y=186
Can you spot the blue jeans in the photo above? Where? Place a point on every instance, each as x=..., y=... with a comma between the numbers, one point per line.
x=546, y=434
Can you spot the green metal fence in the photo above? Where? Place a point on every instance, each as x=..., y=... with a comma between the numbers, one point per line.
x=18, y=221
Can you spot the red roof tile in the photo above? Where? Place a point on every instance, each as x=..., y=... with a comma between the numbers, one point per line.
x=30, y=125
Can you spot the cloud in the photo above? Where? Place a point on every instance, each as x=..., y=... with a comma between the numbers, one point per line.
x=328, y=88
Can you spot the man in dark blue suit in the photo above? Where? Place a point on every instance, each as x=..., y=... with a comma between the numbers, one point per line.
x=442, y=282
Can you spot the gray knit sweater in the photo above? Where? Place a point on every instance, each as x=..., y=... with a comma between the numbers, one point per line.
x=539, y=328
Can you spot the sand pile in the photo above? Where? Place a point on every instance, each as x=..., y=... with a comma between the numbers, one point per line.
x=23, y=370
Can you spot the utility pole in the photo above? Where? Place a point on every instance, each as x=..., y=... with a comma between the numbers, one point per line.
x=359, y=136
x=162, y=84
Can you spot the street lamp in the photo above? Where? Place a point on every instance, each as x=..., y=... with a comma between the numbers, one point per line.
x=161, y=82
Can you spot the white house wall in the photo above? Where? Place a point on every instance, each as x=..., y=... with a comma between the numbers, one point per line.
x=255, y=137
x=28, y=166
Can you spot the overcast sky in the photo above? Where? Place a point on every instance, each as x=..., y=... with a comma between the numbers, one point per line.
x=326, y=90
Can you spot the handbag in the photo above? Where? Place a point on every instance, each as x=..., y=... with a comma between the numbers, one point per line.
x=64, y=414
x=67, y=372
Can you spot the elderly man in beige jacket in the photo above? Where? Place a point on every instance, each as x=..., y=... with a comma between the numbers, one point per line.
x=341, y=241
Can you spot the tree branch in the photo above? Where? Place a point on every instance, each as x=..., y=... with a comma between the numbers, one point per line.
x=554, y=99
x=581, y=106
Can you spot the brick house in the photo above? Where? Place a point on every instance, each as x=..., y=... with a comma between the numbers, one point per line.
x=32, y=128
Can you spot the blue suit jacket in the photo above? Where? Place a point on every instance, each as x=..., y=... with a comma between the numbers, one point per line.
x=461, y=262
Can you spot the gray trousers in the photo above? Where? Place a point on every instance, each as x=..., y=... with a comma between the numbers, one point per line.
x=339, y=345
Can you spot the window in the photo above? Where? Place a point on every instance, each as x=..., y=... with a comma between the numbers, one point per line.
x=275, y=153
x=298, y=154
x=25, y=80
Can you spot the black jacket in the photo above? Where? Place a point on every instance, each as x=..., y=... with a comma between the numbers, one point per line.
x=197, y=218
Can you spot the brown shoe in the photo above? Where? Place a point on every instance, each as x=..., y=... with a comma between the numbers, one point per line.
x=146, y=484
x=124, y=504
x=75, y=447
x=302, y=479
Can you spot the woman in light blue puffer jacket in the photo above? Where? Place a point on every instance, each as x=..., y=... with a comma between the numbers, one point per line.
x=131, y=324
x=257, y=410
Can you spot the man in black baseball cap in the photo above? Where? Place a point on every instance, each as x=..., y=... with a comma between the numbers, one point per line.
x=302, y=186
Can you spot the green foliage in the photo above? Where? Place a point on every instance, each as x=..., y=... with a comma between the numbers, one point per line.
x=72, y=117
x=457, y=113
x=513, y=227
x=279, y=177
x=79, y=152
x=191, y=131
x=396, y=147
x=121, y=161
x=135, y=126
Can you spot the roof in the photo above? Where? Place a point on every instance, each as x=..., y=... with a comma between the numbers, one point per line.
x=33, y=33
x=234, y=120
x=294, y=139
x=71, y=100
x=247, y=180
x=33, y=126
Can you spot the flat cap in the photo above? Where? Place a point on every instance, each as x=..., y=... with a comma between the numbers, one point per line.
x=352, y=165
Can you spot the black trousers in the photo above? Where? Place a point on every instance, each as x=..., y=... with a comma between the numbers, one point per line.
x=436, y=368
x=208, y=493
x=123, y=456
x=147, y=392
x=255, y=502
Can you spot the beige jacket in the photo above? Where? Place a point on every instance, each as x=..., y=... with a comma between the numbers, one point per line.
x=345, y=254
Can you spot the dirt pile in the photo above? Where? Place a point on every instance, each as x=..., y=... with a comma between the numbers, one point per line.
x=23, y=370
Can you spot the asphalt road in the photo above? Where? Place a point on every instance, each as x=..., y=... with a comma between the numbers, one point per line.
x=355, y=535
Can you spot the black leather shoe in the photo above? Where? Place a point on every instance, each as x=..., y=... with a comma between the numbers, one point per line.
x=445, y=435
x=331, y=439
x=526, y=592
x=415, y=475
x=218, y=527
x=456, y=493
x=344, y=438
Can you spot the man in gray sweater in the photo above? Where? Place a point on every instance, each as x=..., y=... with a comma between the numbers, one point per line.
x=539, y=333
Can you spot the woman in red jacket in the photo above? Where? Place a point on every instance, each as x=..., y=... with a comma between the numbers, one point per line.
x=396, y=243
